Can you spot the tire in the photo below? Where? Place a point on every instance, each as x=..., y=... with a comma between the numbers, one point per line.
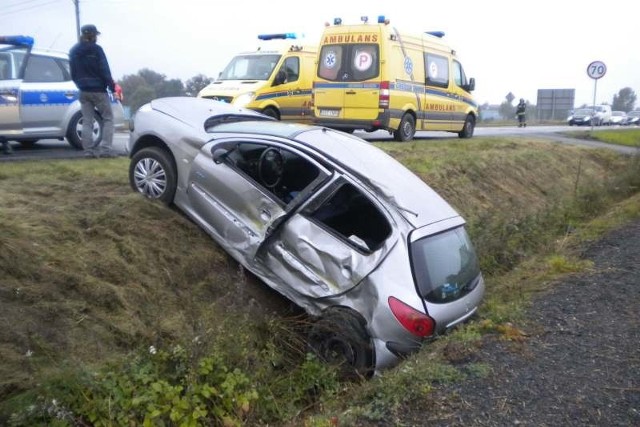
x=152, y=173
x=339, y=338
x=468, y=128
x=407, y=128
x=74, y=131
x=271, y=112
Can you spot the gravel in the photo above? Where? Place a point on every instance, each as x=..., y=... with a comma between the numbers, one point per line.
x=580, y=364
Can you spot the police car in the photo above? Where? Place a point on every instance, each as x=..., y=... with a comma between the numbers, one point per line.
x=38, y=99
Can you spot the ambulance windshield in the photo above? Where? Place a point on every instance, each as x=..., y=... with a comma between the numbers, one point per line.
x=250, y=67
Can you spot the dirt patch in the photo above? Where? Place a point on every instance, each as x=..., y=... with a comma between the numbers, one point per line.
x=581, y=363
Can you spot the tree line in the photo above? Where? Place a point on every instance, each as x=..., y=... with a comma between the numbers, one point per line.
x=148, y=85
x=624, y=100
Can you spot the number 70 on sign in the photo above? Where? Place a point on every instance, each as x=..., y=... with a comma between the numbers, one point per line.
x=596, y=69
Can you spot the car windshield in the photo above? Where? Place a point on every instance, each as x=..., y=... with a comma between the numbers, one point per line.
x=634, y=113
x=618, y=113
x=250, y=67
x=445, y=265
x=583, y=111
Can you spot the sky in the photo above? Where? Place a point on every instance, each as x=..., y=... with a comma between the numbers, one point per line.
x=507, y=46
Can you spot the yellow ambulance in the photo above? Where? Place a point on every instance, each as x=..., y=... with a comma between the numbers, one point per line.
x=275, y=79
x=372, y=77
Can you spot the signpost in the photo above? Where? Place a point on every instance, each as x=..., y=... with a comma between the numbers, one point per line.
x=596, y=70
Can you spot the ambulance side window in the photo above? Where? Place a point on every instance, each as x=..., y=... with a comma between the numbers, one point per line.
x=290, y=69
x=458, y=74
x=436, y=70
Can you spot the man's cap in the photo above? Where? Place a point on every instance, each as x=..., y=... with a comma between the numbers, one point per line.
x=89, y=29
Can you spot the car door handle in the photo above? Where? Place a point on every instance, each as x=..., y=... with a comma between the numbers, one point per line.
x=350, y=92
x=70, y=95
x=265, y=215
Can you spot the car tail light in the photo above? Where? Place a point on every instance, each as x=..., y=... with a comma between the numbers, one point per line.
x=383, y=101
x=414, y=321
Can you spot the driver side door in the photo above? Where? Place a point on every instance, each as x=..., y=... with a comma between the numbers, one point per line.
x=240, y=190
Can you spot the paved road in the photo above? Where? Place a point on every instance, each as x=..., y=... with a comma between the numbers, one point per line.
x=54, y=149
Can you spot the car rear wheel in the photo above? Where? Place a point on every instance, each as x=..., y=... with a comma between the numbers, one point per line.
x=407, y=128
x=339, y=338
x=152, y=173
x=468, y=128
x=74, y=131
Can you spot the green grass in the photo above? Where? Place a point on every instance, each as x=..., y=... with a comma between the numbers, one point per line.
x=97, y=275
x=628, y=137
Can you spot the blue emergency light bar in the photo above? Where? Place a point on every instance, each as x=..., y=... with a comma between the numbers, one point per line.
x=439, y=34
x=17, y=40
x=277, y=36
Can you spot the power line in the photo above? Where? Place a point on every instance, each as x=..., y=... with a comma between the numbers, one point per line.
x=35, y=6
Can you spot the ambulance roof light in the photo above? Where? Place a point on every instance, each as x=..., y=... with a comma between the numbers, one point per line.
x=383, y=20
x=439, y=34
x=281, y=36
x=337, y=21
x=17, y=40
x=364, y=19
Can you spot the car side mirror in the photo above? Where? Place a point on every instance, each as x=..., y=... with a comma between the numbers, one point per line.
x=471, y=86
x=219, y=154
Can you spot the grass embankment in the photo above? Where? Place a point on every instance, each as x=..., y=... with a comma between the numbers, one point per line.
x=115, y=310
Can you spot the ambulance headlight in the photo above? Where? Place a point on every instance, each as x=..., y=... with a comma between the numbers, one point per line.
x=244, y=99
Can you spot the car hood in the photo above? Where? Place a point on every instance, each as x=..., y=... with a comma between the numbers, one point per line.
x=194, y=112
x=231, y=87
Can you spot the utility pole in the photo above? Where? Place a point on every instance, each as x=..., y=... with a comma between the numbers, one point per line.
x=77, y=5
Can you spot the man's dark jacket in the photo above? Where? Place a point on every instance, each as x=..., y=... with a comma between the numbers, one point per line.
x=90, y=68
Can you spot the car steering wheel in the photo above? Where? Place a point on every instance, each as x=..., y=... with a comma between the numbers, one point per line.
x=271, y=167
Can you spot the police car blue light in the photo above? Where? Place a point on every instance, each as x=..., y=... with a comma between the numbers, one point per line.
x=17, y=40
x=282, y=36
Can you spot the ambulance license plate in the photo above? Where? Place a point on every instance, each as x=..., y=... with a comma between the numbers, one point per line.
x=329, y=113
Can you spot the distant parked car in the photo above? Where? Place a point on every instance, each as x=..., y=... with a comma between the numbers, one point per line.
x=38, y=99
x=618, y=117
x=581, y=116
x=323, y=217
x=633, y=118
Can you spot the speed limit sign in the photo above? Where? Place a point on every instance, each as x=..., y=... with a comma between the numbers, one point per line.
x=596, y=69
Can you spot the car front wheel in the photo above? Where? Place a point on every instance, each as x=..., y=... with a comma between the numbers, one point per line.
x=152, y=173
x=339, y=338
x=468, y=128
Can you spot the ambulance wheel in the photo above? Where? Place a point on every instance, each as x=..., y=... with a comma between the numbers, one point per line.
x=407, y=128
x=468, y=128
x=271, y=112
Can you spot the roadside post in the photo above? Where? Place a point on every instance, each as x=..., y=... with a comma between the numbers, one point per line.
x=596, y=70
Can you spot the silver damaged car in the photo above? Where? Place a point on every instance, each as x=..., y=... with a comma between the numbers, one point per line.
x=372, y=253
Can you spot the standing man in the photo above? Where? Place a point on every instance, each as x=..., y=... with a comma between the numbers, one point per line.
x=521, y=112
x=90, y=72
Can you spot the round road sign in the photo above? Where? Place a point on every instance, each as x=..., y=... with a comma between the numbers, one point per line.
x=596, y=69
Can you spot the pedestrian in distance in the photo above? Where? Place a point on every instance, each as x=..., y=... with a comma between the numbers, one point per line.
x=521, y=113
x=91, y=73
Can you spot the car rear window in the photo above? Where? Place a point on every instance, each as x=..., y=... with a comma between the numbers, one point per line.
x=349, y=62
x=445, y=265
